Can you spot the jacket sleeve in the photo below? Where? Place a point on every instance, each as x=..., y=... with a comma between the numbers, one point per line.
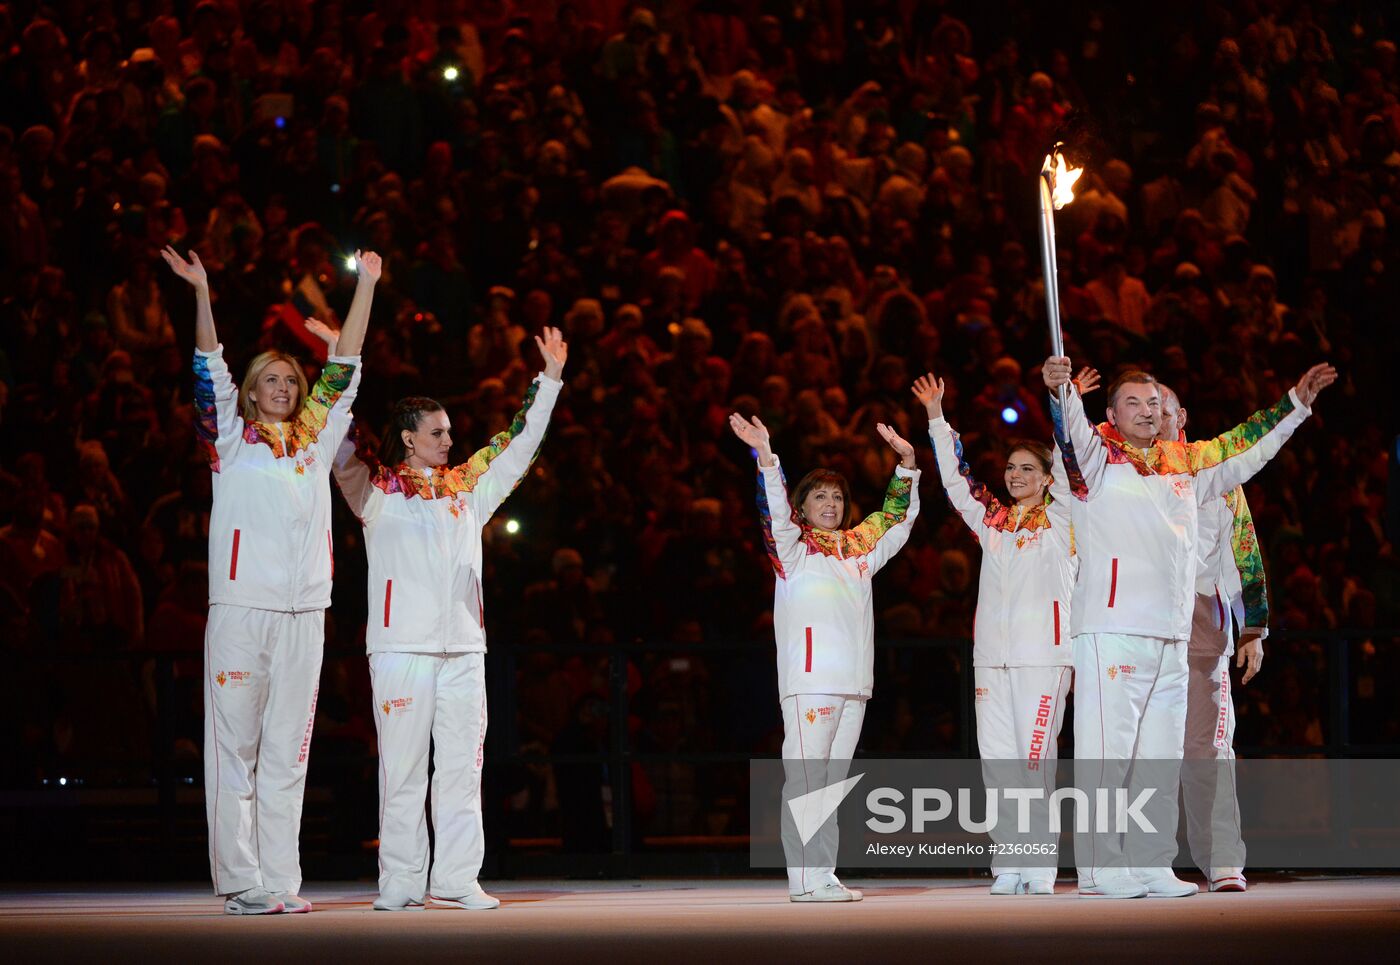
x=493, y=472
x=1058, y=506
x=1082, y=449
x=326, y=415
x=1233, y=457
x=782, y=536
x=1249, y=596
x=889, y=528
x=217, y=424
x=354, y=468
x=968, y=497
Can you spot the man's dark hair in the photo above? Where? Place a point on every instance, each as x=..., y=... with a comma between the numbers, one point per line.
x=1130, y=376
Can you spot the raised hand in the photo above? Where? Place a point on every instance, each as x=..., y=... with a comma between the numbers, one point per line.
x=331, y=336
x=191, y=271
x=1314, y=380
x=902, y=447
x=555, y=351
x=1086, y=381
x=368, y=265
x=929, y=391
x=753, y=433
x=1055, y=372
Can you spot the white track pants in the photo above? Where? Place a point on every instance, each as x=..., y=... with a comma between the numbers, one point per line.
x=1019, y=713
x=262, y=670
x=1129, y=705
x=422, y=698
x=818, y=728
x=1208, y=777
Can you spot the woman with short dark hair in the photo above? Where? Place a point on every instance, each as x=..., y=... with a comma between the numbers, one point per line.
x=824, y=623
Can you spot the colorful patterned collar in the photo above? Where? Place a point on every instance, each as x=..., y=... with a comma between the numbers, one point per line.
x=1012, y=519
x=1162, y=458
x=403, y=478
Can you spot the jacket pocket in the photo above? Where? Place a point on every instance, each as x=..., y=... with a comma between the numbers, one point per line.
x=809, y=650
x=388, y=599
x=1056, y=605
x=233, y=559
x=1113, y=584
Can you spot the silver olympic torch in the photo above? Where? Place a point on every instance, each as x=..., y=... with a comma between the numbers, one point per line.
x=1056, y=190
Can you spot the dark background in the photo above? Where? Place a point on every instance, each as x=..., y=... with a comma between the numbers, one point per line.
x=854, y=204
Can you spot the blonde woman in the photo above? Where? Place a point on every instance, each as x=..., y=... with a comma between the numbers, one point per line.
x=270, y=445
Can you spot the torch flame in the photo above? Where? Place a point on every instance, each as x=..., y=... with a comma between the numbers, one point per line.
x=1062, y=178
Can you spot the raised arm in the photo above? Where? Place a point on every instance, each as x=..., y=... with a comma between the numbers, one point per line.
x=217, y=423
x=1233, y=457
x=972, y=500
x=494, y=471
x=368, y=268
x=1082, y=449
x=353, y=468
x=781, y=535
x=882, y=534
x=206, y=339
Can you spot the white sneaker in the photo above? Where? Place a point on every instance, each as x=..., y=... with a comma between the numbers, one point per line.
x=292, y=904
x=1170, y=886
x=1227, y=879
x=254, y=901
x=395, y=901
x=1008, y=884
x=1040, y=887
x=831, y=891
x=474, y=900
x=1119, y=886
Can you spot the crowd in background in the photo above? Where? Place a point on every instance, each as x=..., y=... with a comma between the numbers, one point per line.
x=782, y=207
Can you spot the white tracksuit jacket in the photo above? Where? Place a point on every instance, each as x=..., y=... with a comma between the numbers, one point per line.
x=270, y=527
x=1028, y=566
x=423, y=533
x=823, y=609
x=270, y=563
x=1135, y=514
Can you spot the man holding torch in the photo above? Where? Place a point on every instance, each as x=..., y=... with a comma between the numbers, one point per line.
x=1135, y=523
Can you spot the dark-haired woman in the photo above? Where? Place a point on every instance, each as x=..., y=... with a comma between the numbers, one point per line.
x=1020, y=652
x=427, y=629
x=824, y=624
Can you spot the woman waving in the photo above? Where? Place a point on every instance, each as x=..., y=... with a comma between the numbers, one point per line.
x=427, y=629
x=1020, y=652
x=824, y=622
x=270, y=444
